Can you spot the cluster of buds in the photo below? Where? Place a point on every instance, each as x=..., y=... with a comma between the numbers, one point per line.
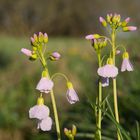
x=38, y=42
x=98, y=42
x=115, y=21
x=70, y=133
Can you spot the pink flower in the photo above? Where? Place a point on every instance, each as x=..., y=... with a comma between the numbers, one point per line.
x=108, y=70
x=45, y=124
x=39, y=112
x=105, y=82
x=127, y=19
x=26, y=52
x=71, y=94
x=55, y=56
x=126, y=64
x=89, y=37
x=45, y=85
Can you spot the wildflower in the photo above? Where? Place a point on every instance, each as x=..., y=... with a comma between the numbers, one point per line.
x=125, y=22
x=26, y=52
x=39, y=111
x=55, y=56
x=71, y=94
x=45, y=124
x=45, y=84
x=109, y=70
x=105, y=82
x=126, y=64
x=129, y=28
x=102, y=20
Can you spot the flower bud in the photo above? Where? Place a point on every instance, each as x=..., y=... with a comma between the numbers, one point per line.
x=96, y=36
x=74, y=130
x=66, y=131
x=55, y=56
x=33, y=57
x=129, y=28
x=41, y=37
x=102, y=20
x=45, y=38
x=125, y=22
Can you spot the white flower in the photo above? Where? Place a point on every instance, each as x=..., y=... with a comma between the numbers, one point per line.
x=45, y=85
x=71, y=94
x=108, y=70
x=39, y=112
x=126, y=64
x=45, y=124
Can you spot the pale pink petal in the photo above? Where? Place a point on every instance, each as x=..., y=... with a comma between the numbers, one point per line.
x=56, y=55
x=39, y=112
x=89, y=37
x=108, y=71
x=72, y=96
x=26, y=51
x=126, y=65
x=45, y=85
x=45, y=124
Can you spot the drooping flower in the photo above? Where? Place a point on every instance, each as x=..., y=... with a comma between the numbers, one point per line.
x=55, y=56
x=105, y=82
x=45, y=124
x=45, y=84
x=126, y=64
x=71, y=94
x=39, y=111
x=26, y=52
x=108, y=70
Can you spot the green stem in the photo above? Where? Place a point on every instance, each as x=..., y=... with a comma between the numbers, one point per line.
x=44, y=64
x=99, y=116
x=114, y=82
x=56, y=116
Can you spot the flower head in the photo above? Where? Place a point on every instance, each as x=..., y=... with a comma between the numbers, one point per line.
x=45, y=84
x=45, y=124
x=71, y=94
x=39, y=111
x=109, y=70
x=126, y=64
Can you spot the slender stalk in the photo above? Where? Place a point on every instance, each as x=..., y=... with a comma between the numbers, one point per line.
x=44, y=64
x=56, y=116
x=99, y=116
x=113, y=36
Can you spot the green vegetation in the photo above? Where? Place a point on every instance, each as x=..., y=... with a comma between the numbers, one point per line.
x=18, y=79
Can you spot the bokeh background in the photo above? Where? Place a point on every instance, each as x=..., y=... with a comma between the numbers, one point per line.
x=66, y=22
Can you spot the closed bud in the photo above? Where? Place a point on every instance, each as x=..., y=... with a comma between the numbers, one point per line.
x=74, y=130
x=96, y=36
x=66, y=131
x=41, y=37
x=125, y=22
x=45, y=38
x=129, y=28
x=33, y=57
x=102, y=20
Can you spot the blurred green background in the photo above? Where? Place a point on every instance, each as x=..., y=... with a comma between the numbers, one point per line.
x=66, y=22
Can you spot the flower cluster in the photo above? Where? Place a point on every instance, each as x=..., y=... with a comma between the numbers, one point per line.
x=115, y=21
x=45, y=84
x=98, y=42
